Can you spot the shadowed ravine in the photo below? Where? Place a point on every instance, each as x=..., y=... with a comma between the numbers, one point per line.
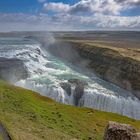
x=48, y=71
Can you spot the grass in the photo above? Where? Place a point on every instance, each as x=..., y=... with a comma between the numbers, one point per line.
x=1, y=138
x=27, y=115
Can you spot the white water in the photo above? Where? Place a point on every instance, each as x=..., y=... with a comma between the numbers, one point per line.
x=47, y=72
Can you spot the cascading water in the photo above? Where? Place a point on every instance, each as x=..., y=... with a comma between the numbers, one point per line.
x=46, y=73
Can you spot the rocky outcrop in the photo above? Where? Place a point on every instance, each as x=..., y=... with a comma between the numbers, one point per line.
x=78, y=89
x=112, y=66
x=12, y=70
x=67, y=87
x=117, y=131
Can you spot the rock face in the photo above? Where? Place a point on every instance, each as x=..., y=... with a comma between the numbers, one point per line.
x=12, y=70
x=110, y=65
x=117, y=131
x=66, y=87
x=78, y=91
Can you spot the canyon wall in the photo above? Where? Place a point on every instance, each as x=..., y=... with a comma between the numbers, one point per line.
x=111, y=65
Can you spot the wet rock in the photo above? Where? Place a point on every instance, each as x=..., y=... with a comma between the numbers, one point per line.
x=117, y=131
x=78, y=91
x=67, y=87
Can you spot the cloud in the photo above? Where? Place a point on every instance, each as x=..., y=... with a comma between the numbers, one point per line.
x=129, y=2
x=98, y=21
x=82, y=15
x=65, y=21
x=58, y=7
x=94, y=6
x=85, y=6
x=26, y=22
x=110, y=7
x=117, y=22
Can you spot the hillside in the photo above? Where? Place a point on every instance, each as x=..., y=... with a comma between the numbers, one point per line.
x=27, y=115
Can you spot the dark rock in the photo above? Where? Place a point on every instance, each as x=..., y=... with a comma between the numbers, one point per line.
x=12, y=70
x=78, y=93
x=67, y=87
x=117, y=131
x=79, y=89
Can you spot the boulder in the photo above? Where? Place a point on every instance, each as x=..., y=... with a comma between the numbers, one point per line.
x=118, y=131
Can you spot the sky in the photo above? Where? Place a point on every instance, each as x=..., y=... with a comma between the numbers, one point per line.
x=65, y=15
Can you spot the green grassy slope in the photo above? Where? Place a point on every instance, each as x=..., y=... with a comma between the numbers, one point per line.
x=29, y=116
x=1, y=137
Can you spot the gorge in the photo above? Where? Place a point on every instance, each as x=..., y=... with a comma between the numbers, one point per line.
x=56, y=70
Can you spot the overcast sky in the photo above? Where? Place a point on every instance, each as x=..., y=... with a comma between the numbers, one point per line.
x=18, y=15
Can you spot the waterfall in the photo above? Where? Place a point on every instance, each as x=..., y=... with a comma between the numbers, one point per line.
x=112, y=103
x=46, y=73
x=92, y=98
